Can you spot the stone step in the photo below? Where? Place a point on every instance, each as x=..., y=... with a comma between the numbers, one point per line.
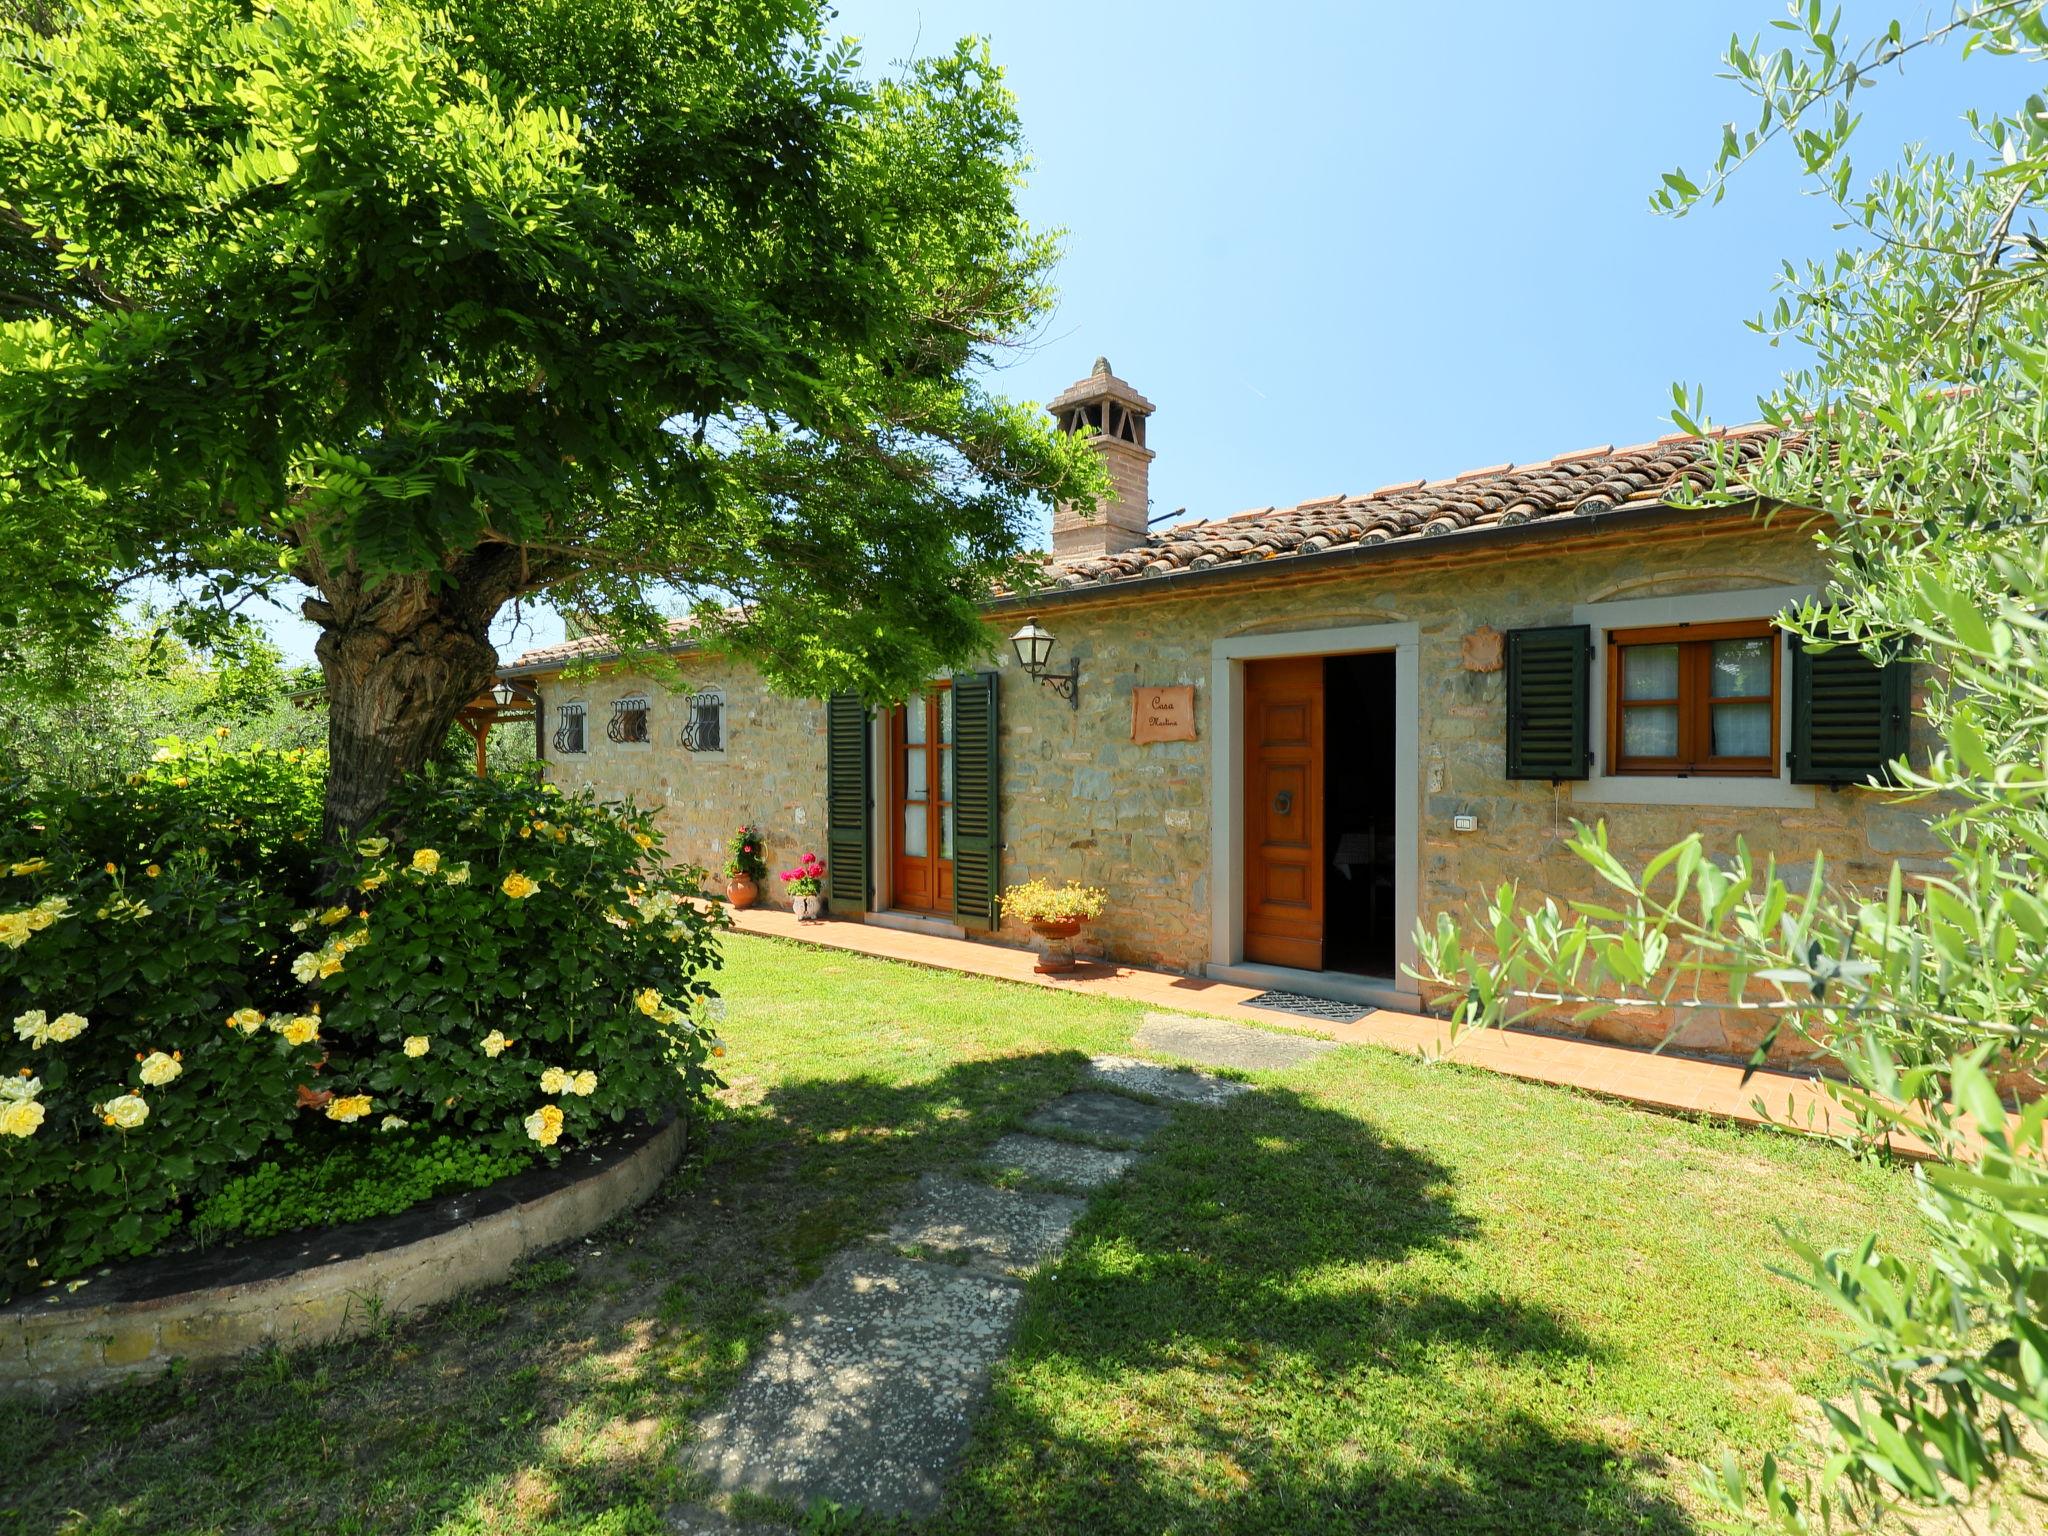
x=1220, y=1043
x=1106, y=1115
x=1059, y=1162
x=1171, y=1084
x=1004, y=1230
x=867, y=1395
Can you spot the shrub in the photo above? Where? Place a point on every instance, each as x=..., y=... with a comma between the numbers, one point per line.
x=179, y=1002
x=526, y=969
x=133, y=922
x=352, y=1182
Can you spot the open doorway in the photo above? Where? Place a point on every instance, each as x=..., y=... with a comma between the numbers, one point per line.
x=1358, y=813
x=1320, y=845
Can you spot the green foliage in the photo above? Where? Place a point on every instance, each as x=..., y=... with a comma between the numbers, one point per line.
x=93, y=712
x=171, y=943
x=432, y=308
x=1916, y=423
x=351, y=1182
x=515, y=952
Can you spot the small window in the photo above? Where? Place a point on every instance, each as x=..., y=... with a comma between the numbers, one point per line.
x=704, y=723
x=1694, y=699
x=629, y=720
x=569, y=729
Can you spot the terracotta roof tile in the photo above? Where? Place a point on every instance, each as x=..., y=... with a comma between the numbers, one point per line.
x=1480, y=501
x=1583, y=483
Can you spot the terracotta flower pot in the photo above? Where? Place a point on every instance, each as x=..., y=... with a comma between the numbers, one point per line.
x=1059, y=945
x=741, y=891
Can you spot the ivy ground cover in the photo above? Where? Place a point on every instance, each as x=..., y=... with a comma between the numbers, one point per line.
x=1373, y=1296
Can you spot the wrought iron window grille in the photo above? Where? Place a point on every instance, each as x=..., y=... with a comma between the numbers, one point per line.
x=569, y=727
x=629, y=720
x=704, y=723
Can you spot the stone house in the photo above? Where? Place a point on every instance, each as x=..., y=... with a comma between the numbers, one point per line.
x=1279, y=739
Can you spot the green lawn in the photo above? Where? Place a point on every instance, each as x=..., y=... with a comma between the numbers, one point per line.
x=1373, y=1296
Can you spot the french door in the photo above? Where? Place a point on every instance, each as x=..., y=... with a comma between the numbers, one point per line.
x=921, y=801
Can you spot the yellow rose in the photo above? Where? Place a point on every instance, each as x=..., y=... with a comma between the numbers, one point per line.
x=67, y=1026
x=371, y=882
x=302, y=1029
x=153, y=870
x=16, y=1089
x=643, y=839
x=13, y=929
x=250, y=1019
x=159, y=1068
x=352, y=1107
x=426, y=861
x=330, y=965
x=392, y=1123
x=544, y=1125
x=33, y=1026
x=554, y=1080
x=518, y=887
x=373, y=847
x=306, y=967
x=648, y=1001
x=583, y=1084
x=334, y=915
x=458, y=875
x=29, y=867
x=126, y=1112
x=20, y=1117
x=495, y=1043
x=416, y=1045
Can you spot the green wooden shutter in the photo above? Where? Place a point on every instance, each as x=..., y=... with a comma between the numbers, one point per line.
x=977, y=833
x=846, y=803
x=1549, y=682
x=1849, y=715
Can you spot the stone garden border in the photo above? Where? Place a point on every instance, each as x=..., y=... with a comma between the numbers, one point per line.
x=306, y=1288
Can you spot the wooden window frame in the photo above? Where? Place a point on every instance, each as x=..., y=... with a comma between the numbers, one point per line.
x=1694, y=701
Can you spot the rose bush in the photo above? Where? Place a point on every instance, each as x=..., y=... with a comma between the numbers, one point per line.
x=185, y=993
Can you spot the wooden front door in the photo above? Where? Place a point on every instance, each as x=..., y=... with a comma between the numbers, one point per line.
x=921, y=801
x=1283, y=812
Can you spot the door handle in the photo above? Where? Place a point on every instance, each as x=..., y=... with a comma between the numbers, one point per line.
x=1283, y=803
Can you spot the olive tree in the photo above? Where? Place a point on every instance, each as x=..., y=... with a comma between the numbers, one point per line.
x=1914, y=419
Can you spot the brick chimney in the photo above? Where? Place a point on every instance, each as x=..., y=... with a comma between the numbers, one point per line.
x=1117, y=414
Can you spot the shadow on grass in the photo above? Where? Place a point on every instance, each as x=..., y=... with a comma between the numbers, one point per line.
x=1205, y=1358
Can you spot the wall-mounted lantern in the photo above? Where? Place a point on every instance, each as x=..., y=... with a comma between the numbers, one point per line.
x=1034, y=649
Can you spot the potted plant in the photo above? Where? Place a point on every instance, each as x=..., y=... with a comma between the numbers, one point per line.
x=806, y=885
x=1055, y=914
x=745, y=867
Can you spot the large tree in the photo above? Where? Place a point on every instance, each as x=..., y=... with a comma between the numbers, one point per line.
x=644, y=306
x=1916, y=417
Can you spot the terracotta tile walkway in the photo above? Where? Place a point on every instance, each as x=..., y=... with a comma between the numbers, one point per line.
x=1676, y=1083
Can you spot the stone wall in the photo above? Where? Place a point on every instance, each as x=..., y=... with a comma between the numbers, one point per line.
x=1082, y=801
x=771, y=771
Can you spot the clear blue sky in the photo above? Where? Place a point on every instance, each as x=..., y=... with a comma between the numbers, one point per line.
x=1340, y=245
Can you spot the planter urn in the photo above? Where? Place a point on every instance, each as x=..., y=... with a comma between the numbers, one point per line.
x=1059, y=945
x=808, y=909
x=741, y=891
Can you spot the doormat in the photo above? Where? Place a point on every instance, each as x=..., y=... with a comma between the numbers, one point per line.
x=1310, y=1007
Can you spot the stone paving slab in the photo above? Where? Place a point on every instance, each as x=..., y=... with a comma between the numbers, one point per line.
x=1005, y=1229
x=1219, y=1043
x=1176, y=1087
x=1060, y=1162
x=1101, y=1114
x=867, y=1395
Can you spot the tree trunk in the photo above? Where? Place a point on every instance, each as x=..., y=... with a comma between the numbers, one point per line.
x=401, y=659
